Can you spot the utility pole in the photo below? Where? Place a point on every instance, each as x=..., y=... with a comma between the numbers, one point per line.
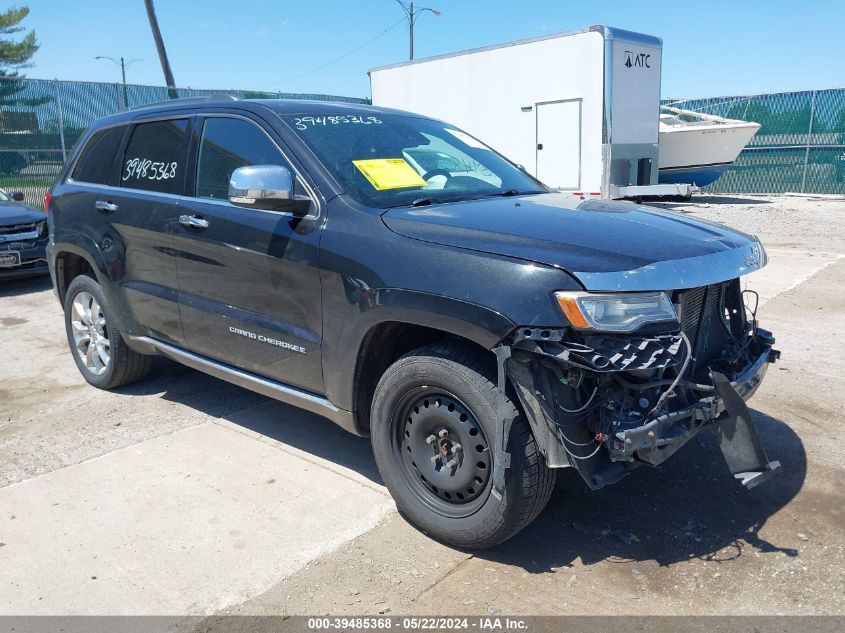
x=162, y=54
x=123, y=65
x=412, y=15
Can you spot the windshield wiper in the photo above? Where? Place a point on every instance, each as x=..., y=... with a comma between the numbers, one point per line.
x=513, y=192
x=424, y=202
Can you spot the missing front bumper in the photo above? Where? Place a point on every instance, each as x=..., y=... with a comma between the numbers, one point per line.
x=721, y=404
x=656, y=440
x=660, y=438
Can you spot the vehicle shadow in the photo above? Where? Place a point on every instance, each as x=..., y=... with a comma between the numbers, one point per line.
x=274, y=420
x=25, y=285
x=691, y=506
x=310, y=433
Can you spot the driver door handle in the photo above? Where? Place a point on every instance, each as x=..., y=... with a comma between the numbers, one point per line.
x=193, y=221
x=103, y=206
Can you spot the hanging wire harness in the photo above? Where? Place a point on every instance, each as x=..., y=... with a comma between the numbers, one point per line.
x=604, y=403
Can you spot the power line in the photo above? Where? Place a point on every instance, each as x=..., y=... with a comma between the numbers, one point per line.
x=342, y=57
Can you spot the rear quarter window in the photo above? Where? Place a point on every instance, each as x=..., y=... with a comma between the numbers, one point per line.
x=97, y=157
x=154, y=159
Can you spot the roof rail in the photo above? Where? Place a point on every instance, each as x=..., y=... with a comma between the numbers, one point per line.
x=184, y=100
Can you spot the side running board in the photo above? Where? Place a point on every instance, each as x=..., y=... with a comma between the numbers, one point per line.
x=276, y=390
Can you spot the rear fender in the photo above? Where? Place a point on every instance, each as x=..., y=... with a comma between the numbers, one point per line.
x=70, y=242
x=105, y=264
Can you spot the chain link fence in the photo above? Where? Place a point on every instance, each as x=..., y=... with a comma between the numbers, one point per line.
x=40, y=120
x=800, y=146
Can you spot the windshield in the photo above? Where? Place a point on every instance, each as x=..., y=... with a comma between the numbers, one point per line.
x=3, y=196
x=393, y=160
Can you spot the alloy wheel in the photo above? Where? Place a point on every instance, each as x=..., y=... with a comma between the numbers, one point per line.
x=90, y=333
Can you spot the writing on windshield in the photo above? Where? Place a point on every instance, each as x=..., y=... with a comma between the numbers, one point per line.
x=391, y=160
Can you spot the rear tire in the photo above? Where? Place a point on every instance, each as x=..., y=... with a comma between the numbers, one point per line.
x=97, y=346
x=442, y=482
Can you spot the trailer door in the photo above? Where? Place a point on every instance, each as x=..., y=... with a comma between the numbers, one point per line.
x=559, y=143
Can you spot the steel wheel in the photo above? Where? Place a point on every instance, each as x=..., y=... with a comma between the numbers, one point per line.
x=432, y=426
x=90, y=333
x=446, y=459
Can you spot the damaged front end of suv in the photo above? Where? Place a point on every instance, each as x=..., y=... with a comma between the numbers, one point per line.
x=636, y=375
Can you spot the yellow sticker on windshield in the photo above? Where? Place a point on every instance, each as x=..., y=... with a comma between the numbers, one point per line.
x=389, y=173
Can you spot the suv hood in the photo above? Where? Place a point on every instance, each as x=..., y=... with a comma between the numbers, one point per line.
x=605, y=245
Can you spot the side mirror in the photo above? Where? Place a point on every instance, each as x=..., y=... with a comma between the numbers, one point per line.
x=17, y=196
x=268, y=187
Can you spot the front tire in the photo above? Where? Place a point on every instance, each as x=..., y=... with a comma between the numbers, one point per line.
x=97, y=346
x=432, y=429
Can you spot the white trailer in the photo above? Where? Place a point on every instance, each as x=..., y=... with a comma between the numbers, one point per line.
x=579, y=110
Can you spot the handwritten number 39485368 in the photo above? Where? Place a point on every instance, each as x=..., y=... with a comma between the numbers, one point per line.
x=139, y=168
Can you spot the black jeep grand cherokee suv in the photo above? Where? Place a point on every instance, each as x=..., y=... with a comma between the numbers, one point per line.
x=399, y=277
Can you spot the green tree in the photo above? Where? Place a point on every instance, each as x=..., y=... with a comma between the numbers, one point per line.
x=14, y=56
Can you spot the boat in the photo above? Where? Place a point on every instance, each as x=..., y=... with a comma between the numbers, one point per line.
x=697, y=148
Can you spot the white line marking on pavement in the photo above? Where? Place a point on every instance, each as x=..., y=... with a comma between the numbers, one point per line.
x=787, y=269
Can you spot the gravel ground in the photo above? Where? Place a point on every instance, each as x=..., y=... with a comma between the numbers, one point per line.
x=680, y=539
x=780, y=221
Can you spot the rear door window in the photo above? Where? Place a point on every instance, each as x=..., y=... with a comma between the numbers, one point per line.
x=154, y=159
x=96, y=162
x=227, y=144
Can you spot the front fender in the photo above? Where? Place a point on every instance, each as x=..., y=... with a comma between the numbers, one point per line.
x=477, y=323
x=375, y=307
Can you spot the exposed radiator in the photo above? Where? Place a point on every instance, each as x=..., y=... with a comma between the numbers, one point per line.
x=703, y=321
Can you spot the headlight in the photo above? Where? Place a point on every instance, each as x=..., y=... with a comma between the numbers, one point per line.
x=42, y=228
x=615, y=312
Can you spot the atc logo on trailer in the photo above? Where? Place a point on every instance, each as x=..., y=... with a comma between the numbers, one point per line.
x=637, y=60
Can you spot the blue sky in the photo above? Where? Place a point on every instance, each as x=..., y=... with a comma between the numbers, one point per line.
x=711, y=48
